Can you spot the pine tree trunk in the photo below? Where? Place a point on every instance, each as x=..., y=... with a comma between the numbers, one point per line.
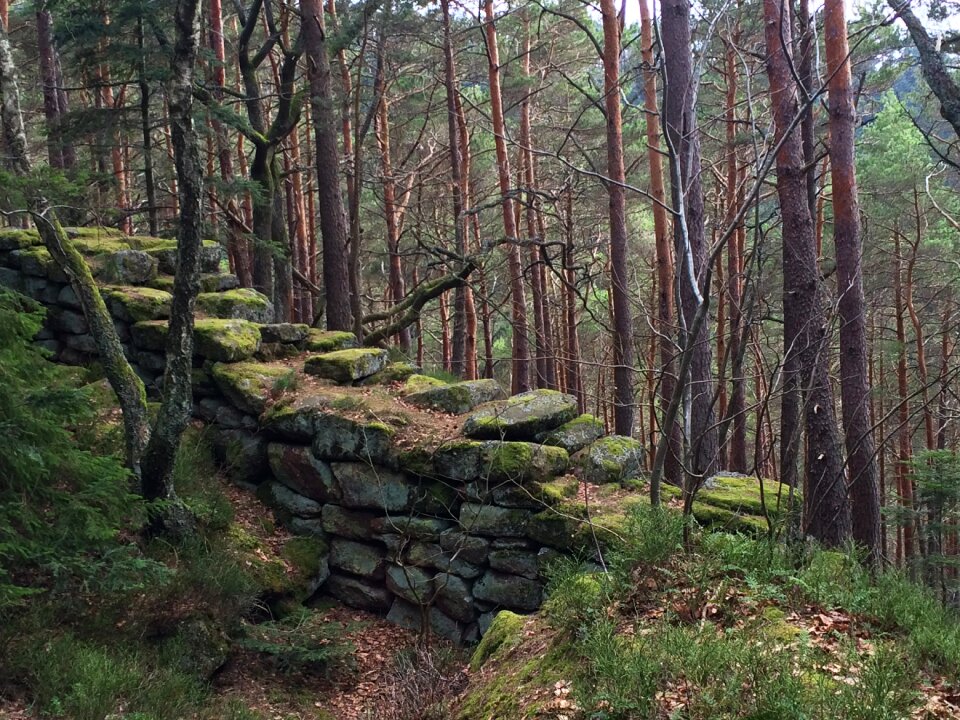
x=907, y=548
x=333, y=230
x=806, y=329
x=683, y=137
x=854, y=387
x=520, y=347
x=619, y=275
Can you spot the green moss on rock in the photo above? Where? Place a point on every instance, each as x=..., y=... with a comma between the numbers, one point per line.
x=225, y=340
x=322, y=341
x=248, y=385
x=576, y=434
x=135, y=304
x=456, y=398
x=612, y=459
x=417, y=383
x=242, y=303
x=345, y=366
x=522, y=417
x=504, y=634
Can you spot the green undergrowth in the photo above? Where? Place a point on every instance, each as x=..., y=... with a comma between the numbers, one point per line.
x=95, y=620
x=731, y=627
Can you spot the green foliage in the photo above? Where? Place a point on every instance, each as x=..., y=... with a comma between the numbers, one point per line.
x=62, y=508
x=302, y=641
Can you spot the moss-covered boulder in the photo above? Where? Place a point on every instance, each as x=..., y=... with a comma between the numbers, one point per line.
x=15, y=239
x=346, y=366
x=225, y=340
x=576, y=434
x=395, y=372
x=134, y=304
x=241, y=304
x=127, y=267
x=249, y=386
x=417, y=383
x=493, y=521
x=613, y=459
x=457, y=398
x=37, y=262
x=522, y=417
x=324, y=341
x=284, y=332
x=211, y=255
x=504, y=634
x=492, y=460
x=298, y=419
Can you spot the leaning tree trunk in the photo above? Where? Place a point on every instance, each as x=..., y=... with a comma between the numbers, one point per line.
x=683, y=139
x=806, y=329
x=333, y=228
x=622, y=323
x=854, y=387
x=177, y=406
x=124, y=381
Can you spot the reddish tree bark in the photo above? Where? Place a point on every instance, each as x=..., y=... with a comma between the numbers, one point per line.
x=806, y=329
x=520, y=347
x=854, y=388
x=905, y=546
x=619, y=275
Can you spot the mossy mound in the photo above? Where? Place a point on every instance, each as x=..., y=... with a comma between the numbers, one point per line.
x=345, y=366
x=418, y=383
x=241, y=304
x=395, y=372
x=613, y=459
x=135, y=304
x=522, y=417
x=322, y=341
x=14, y=239
x=504, y=633
x=576, y=434
x=490, y=461
x=457, y=398
x=126, y=267
x=249, y=385
x=284, y=332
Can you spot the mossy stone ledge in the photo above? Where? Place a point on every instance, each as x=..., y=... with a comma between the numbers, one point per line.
x=284, y=332
x=521, y=417
x=135, y=304
x=457, y=398
x=242, y=304
x=347, y=366
x=612, y=459
x=249, y=386
x=322, y=341
x=213, y=338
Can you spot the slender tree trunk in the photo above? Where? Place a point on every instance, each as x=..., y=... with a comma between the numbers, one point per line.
x=904, y=445
x=396, y=281
x=574, y=376
x=619, y=275
x=520, y=347
x=918, y=334
x=673, y=470
x=472, y=369
x=854, y=387
x=459, y=358
x=48, y=79
x=806, y=328
x=683, y=138
x=177, y=406
x=333, y=230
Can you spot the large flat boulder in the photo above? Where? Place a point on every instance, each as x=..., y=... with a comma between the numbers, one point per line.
x=347, y=366
x=241, y=303
x=522, y=417
x=213, y=338
x=324, y=341
x=492, y=460
x=296, y=467
x=249, y=386
x=457, y=398
x=133, y=304
x=576, y=434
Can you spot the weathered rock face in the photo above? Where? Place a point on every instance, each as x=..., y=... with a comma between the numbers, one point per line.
x=457, y=398
x=128, y=267
x=613, y=459
x=293, y=333
x=346, y=366
x=522, y=417
x=249, y=386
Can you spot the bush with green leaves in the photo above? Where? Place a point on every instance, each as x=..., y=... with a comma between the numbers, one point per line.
x=62, y=508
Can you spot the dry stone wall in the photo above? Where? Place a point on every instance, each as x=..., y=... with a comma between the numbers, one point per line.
x=443, y=531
